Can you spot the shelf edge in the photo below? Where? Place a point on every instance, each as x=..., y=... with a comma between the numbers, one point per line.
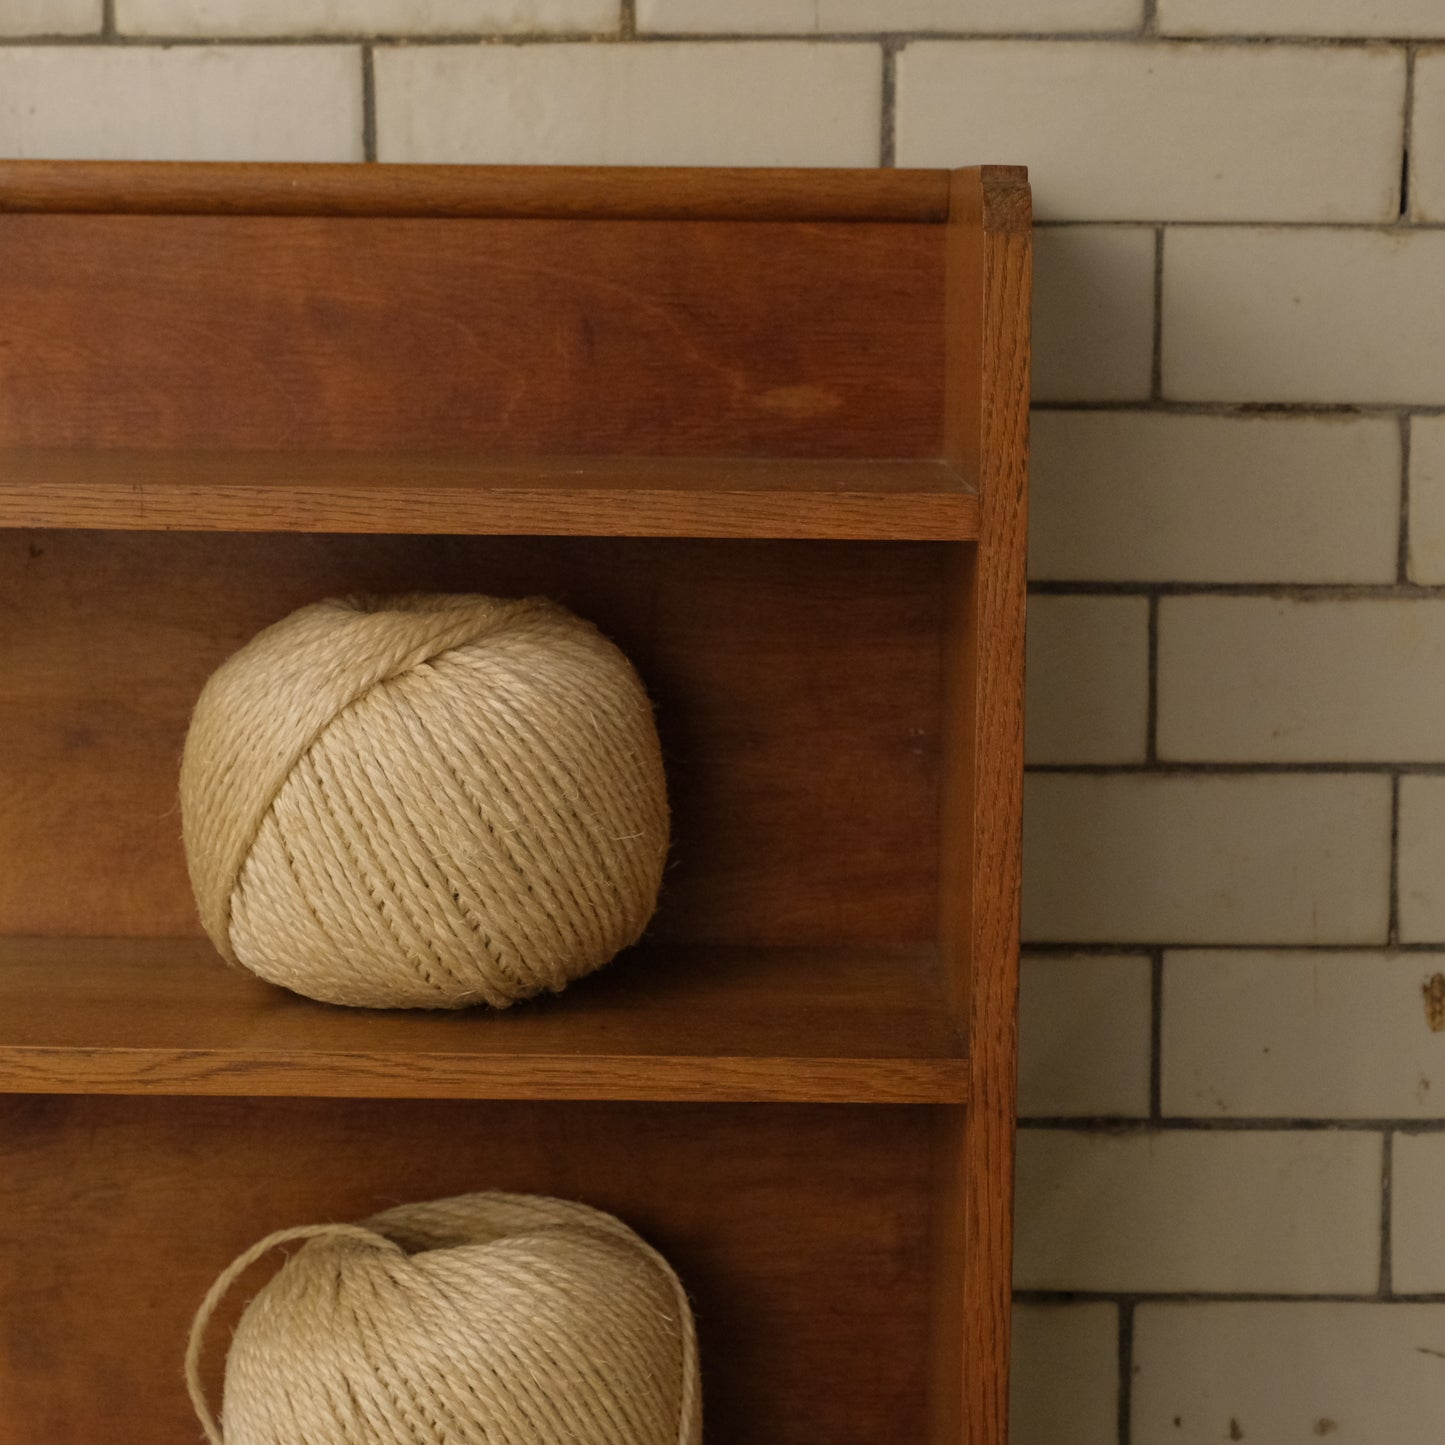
x=658, y=1078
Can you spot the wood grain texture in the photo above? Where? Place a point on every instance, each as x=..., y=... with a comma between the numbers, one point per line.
x=421, y=492
x=501, y=337
x=796, y=686
x=414, y=353
x=800, y=1232
x=165, y=1016
x=532, y=192
x=988, y=387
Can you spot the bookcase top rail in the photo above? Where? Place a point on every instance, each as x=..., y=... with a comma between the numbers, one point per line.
x=537, y=192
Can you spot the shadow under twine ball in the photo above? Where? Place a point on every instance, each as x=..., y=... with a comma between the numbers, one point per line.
x=424, y=801
x=488, y=1319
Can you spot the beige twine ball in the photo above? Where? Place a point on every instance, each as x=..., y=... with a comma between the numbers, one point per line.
x=424, y=801
x=489, y=1319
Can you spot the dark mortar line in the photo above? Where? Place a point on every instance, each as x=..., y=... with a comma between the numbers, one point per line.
x=1407, y=134
x=1296, y=591
x=1148, y=1297
x=1402, y=541
x=1387, y=1188
x=627, y=20
x=1135, y=949
x=1389, y=226
x=1205, y=768
x=1125, y=1124
x=1174, y=406
x=618, y=35
x=1156, y=358
x=1151, y=664
x=1146, y=406
x=1054, y=950
x=309, y=41
x=1393, y=926
x=107, y=20
x=1156, y=1036
x=1126, y=1369
x=888, y=108
x=368, y=103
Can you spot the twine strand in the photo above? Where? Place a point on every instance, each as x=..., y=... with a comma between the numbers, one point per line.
x=222, y=1287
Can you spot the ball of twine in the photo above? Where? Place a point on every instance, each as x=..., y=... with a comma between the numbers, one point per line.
x=488, y=1319
x=424, y=801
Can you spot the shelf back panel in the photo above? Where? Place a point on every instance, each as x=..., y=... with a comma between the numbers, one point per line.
x=801, y=1234
x=503, y=336
x=796, y=685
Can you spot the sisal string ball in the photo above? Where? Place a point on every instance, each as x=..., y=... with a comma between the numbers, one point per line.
x=425, y=801
x=488, y=1319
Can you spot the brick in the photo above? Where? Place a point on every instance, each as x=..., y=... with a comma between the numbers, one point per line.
x=1304, y=315
x=1300, y=1035
x=1084, y=1025
x=1214, y=859
x=1267, y=679
x=1427, y=499
x=1088, y=679
x=205, y=102
x=1417, y=1184
x=1422, y=860
x=1354, y=1374
x=765, y=103
x=1198, y=1210
x=1405, y=19
x=1148, y=132
x=224, y=19
x=1065, y=1379
x=50, y=17
x=821, y=17
x=1427, y=139
x=1145, y=497
x=1093, y=322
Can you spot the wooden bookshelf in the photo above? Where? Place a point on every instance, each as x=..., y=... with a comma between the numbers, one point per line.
x=768, y=429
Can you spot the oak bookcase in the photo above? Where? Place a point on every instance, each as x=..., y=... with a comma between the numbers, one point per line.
x=768, y=430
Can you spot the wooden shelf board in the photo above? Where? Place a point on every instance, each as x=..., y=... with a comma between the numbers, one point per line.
x=532, y=192
x=166, y=1016
x=894, y=499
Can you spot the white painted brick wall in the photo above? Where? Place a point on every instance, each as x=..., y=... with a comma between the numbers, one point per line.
x=197, y=102
x=1304, y=315
x=1255, y=810
x=1273, y=680
x=1129, y=132
x=1066, y=1376
x=1093, y=313
x=1427, y=500
x=1139, y=496
x=1084, y=1036
x=665, y=104
x=814, y=17
x=1356, y=1374
x=1300, y=1036
x=1267, y=1211
x=1088, y=680
x=1407, y=19
x=1427, y=148
x=1417, y=1187
x=232, y=20
x=1422, y=859
x=1163, y=858
x=50, y=17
